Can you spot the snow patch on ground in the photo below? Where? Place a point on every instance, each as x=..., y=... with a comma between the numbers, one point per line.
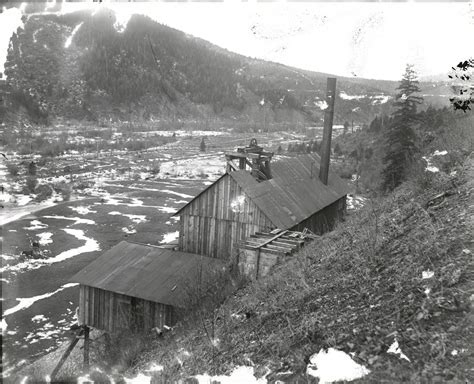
x=139, y=379
x=380, y=99
x=45, y=238
x=167, y=209
x=334, y=365
x=181, y=132
x=35, y=225
x=355, y=202
x=77, y=220
x=91, y=245
x=427, y=274
x=83, y=210
x=197, y=167
x=183, y=195
x=169, y=237
x=39, y=318
x=321, y=104
x=136, y=203
x=345, y=96
x=137, y=219
x=430, y=167
x=129, y=230
x=242, y=374
x=29, y=301
x=154, y=368
x=22, y=200
x=395, y=349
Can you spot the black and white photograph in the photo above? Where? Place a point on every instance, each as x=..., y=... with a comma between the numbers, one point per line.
x=253, y=192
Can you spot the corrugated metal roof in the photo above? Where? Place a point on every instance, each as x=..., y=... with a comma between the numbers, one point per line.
x=149, y=272
x=295, y=192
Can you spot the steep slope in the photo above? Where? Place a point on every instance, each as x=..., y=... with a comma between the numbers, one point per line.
x=400, y=270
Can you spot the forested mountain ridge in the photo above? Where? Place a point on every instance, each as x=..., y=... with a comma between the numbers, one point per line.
x=87, y=66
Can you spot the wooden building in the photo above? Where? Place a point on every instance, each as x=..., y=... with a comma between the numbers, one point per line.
x=139, y=287
x=239, y=204
x=260, y=252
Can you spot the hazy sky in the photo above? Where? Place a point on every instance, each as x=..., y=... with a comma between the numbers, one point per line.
x=372, y=40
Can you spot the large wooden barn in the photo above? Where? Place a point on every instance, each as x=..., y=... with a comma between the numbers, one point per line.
x=288, y=195
x=139, y=287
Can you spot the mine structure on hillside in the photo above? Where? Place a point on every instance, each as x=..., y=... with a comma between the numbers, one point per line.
x=253, y=157
x=254, y=216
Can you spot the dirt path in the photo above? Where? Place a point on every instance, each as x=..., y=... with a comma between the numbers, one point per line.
x=10, y=214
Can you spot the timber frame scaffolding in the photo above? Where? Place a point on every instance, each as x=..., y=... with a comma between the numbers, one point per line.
x=263, y=250
x=252, y=156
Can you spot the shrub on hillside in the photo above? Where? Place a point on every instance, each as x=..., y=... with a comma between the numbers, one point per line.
x=155, y=168
x=64, y=189
x=43, y=192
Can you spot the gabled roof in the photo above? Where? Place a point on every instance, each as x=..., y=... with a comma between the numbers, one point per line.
x=294, y=193
x=149, y=272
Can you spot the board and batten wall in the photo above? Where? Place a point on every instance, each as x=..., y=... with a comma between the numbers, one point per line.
x=209, y=226
x=113, y=312
x=266, y=260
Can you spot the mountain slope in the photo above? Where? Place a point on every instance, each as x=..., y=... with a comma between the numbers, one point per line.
x=87, y=66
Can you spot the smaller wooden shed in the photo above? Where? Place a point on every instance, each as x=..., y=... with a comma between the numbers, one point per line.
x=139, y=287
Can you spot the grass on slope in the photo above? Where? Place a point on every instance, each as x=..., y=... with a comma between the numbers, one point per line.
x=357, y=289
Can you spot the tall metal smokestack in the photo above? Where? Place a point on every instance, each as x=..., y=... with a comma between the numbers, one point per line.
x=327, y=133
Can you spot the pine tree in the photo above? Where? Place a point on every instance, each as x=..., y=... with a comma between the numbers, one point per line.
x=346, y=127
x=400, y=145
x=375, y=124
x=202, y=146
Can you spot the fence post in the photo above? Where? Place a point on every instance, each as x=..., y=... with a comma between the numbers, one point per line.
x=86, y=349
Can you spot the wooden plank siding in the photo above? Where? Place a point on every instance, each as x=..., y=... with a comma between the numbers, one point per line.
x=209, y=226
x=113, y=312
x=325, y=220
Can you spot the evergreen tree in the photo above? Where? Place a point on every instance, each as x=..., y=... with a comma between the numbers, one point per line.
x=202, y=146
x=400, y=145
x=375, y=124
x=316, y=146
x=337, y=150
x=346, y=127
x=32, y=169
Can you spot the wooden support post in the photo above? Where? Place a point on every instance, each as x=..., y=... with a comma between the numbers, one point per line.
x=65, y=355
x=86, y=349
x=258, y=263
